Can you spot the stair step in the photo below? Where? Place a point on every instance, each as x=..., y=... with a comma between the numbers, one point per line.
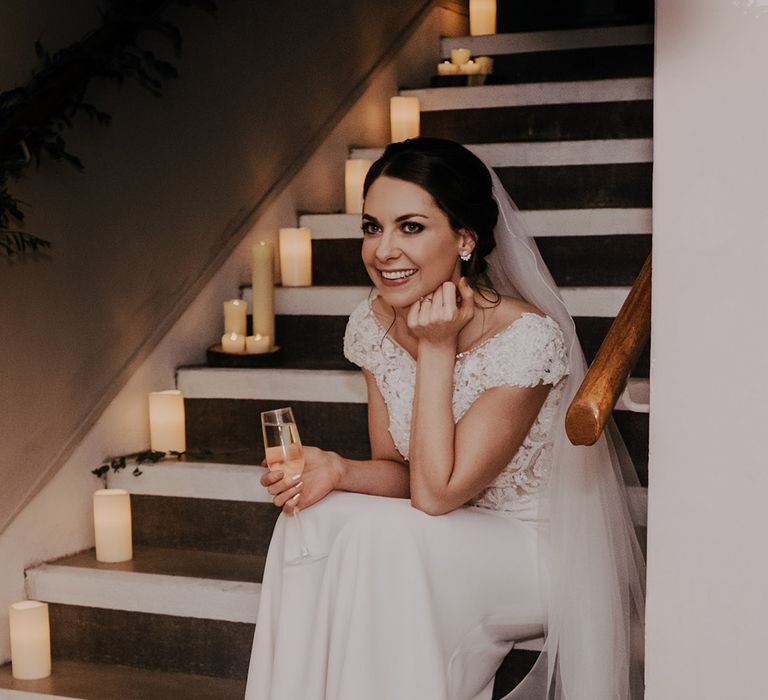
x=529, y=94
x=589, y=261
x=595, y=151
x=601, y=63
x=544, y=223
x=92, y=681
x=159, y=580
x=546, y=122
x=342, y=300
x=563, y=40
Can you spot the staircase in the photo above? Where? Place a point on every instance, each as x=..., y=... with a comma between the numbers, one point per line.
x=568, y=129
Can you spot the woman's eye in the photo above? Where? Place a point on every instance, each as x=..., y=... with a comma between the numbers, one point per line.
x=369, y=228
x=412, y=227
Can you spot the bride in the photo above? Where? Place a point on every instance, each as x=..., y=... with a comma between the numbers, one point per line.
x=475, y=524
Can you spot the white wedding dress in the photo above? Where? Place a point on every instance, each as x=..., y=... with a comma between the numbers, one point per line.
x=408, y=606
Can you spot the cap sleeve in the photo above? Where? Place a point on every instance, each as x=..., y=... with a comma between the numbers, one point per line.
x=361, y=338
x=532, y=351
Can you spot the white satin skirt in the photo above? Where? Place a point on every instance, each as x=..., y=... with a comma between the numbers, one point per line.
x=406, y=606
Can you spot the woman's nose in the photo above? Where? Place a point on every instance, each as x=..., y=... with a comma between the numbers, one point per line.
x=387, y=248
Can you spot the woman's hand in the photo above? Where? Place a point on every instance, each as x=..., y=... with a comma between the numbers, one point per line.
x=322, y=474
x=437, y=318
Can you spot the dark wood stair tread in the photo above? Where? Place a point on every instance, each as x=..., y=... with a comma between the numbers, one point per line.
x=93, y=681
x=169, y=561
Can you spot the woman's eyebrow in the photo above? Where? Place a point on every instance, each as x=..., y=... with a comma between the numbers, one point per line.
x=410, y=216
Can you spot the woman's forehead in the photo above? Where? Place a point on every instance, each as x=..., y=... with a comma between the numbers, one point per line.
x=391, y=196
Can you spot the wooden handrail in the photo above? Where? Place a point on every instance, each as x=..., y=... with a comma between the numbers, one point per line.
x=607, y=375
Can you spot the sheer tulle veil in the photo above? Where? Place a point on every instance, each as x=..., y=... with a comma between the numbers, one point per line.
x=594, y=634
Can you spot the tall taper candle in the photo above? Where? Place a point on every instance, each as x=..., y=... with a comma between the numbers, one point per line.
x=355, y=170
x=295, y=257
x=235, y=313
x=263, y=288
x=404, y=116
x=112, y=525
x=30, y=640
x=167, y=421
x=482, y=17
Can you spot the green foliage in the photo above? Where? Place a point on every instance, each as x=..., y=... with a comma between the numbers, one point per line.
x=116, y=464
x=67, y=73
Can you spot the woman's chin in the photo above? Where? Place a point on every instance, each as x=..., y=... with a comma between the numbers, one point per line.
x=398, y=298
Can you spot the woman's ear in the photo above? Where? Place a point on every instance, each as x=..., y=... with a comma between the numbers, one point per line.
x=467, y=240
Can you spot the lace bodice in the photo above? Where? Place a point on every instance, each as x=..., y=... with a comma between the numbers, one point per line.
x=528, y=351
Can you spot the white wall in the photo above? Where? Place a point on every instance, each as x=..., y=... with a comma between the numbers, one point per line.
x=707, y=616
x=57, y=521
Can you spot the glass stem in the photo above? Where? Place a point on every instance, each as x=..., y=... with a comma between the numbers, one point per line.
x=302, y=538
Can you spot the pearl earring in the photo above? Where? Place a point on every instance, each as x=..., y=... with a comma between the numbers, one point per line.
x=465, y=255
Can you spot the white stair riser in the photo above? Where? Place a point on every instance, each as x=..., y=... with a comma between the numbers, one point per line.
x=529, y=42
x=529, y=94
x=551, y=153
x=233, y=601
x=556, y=222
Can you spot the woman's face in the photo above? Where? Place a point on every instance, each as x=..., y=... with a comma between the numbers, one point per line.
x=409, y=247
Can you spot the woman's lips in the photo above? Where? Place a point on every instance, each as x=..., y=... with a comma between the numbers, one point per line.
x=398, y=281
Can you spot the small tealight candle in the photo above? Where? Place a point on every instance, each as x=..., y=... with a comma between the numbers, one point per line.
x=233, y=343
x=459, y=56
x=469, y=68
x=235, y=312
x=295, y=257
x=355, y=170
x=112, y=525
x=30, y=640
x=486, y=64
x=447, y=68
x=405, y=117
x=167, y=421
x=482, y=17
x=258, y=344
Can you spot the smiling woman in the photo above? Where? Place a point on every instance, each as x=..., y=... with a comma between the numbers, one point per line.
x=466, y=392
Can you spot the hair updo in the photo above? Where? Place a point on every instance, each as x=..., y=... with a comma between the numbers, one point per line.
x=460, y=184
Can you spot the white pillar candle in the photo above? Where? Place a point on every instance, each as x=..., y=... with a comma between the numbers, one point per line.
x=405, y=120
x=447, y=68
x=355, y=170
x=112, y=525
x=258, y=344
x=233, y=343
x=167, y=421
x=263, y=288
x=295, y=257
x=30, y=640
x=235, y=312
x=486, y=64
x=469, y=68
x=459, y=56
x=482, y=17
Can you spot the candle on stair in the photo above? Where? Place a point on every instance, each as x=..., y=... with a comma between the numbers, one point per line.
x=355, y=170
x=167, y=421
x=233, y=343
x=30, y=640
x=112, y=525
x=404, y=116
x=235, y=312
x=447, y=68
x=295, y=257
x=263, y=288
x=258, y=344
x=459, y=56
x=482, y=17
x=469, y=68
x=486, y=64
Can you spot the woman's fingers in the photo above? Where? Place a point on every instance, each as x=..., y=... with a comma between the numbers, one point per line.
x=282, y=498
x=268, y=478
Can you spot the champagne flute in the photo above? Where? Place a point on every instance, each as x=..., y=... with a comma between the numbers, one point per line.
x=283, y=450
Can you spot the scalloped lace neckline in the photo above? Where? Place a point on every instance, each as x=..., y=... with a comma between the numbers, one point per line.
x=459, y=355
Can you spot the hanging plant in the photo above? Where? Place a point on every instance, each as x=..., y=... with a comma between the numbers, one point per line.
x=34, y=116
